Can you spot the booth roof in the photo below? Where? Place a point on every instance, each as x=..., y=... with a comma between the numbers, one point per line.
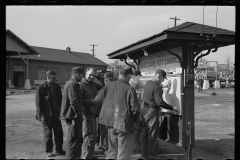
x=187, y=28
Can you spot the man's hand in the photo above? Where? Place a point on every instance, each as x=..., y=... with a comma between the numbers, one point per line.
x=175, y=109
x=166, y=83
x=42, y=119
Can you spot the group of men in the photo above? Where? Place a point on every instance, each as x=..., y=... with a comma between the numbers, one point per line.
x=85, y=101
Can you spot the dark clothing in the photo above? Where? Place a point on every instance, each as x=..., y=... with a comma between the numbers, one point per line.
x=153, y=100
x=200, y=85
x=89, y=136
x=74, y=139
x=71, y=110
x=119, y=106
x=72, y=100
x=55, y=125
x=103, y=135
x=200, y=82
x=90, y=90
x=149, y=136
x=152, y=96
x=119, y=110
x=48, y=103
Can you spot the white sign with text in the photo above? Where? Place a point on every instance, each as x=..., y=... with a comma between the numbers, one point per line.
x=162, y=60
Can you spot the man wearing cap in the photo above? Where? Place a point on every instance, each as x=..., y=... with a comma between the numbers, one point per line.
x=90, y=87
x=48, y=102
x=153, y=101
x=119, y=111
x=71, y=112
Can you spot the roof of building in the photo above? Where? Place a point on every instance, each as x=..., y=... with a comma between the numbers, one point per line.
x=57, y=55
x=190, y=27
x=16, y=44
x=187, y=27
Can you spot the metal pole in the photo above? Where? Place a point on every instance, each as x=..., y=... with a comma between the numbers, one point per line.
x=217, y=71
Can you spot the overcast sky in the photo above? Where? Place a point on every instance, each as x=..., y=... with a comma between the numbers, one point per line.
x=110, y=27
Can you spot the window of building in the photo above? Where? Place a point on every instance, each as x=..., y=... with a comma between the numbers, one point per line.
x=42, y=72
x=68, y=73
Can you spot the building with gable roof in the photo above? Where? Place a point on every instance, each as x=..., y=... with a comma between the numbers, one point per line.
x=62, y=61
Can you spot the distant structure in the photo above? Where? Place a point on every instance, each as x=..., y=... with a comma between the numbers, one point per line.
x=43, y=59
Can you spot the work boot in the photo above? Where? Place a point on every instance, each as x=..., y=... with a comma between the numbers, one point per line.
x=49, y=154
x=62, y=152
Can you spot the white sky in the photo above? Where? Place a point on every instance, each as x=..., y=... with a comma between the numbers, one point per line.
x=110, y=27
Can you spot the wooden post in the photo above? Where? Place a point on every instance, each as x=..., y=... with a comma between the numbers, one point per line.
x=188, y=100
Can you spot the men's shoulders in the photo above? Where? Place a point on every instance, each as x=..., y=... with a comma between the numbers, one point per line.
x=57, y=85
x=70, y=83
x=42, y=85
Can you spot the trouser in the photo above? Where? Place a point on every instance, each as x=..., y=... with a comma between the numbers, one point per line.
x=119, y=144
x=53, y=124
x=136, y=135
x=103, y=136
x=89, y=137
x=74, y=138
x=150, y=133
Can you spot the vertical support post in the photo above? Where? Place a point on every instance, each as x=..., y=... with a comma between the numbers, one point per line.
x=188, y=100
x=9, y=83
x=217, y=70
x=206, y=70
x=27, y=81
x=27, y=66
x=8, y=76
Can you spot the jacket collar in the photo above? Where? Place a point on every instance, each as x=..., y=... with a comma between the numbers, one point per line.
x=86, y=81
x=74, y=80
x=124, y=81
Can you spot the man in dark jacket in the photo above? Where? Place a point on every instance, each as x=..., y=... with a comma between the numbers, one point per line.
x=153, y=101
x=71, y=112
x=90, y=87
x=48, y=102
x=103, y=131
x=119, y=111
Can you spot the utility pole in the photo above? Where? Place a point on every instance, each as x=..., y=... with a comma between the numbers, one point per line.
x=93, y=48
x=175, y=21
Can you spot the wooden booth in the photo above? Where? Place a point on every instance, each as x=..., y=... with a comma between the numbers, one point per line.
x=177, y=51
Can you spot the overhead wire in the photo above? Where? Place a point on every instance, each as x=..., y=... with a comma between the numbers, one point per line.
x=203, y=19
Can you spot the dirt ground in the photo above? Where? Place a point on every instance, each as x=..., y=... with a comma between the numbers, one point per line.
x=214, y=128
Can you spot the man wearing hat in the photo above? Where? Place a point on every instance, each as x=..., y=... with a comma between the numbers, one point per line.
x=71, y=112
x=48, y=102
x=153, y=101
x=119, y=111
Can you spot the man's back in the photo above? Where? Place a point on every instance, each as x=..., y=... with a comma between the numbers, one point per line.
x=119, y=105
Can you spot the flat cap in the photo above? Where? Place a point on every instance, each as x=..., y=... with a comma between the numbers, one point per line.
x=161, y=72
x=76, y=70
x=108, y=75
x=126, y=70
x=51, y=73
